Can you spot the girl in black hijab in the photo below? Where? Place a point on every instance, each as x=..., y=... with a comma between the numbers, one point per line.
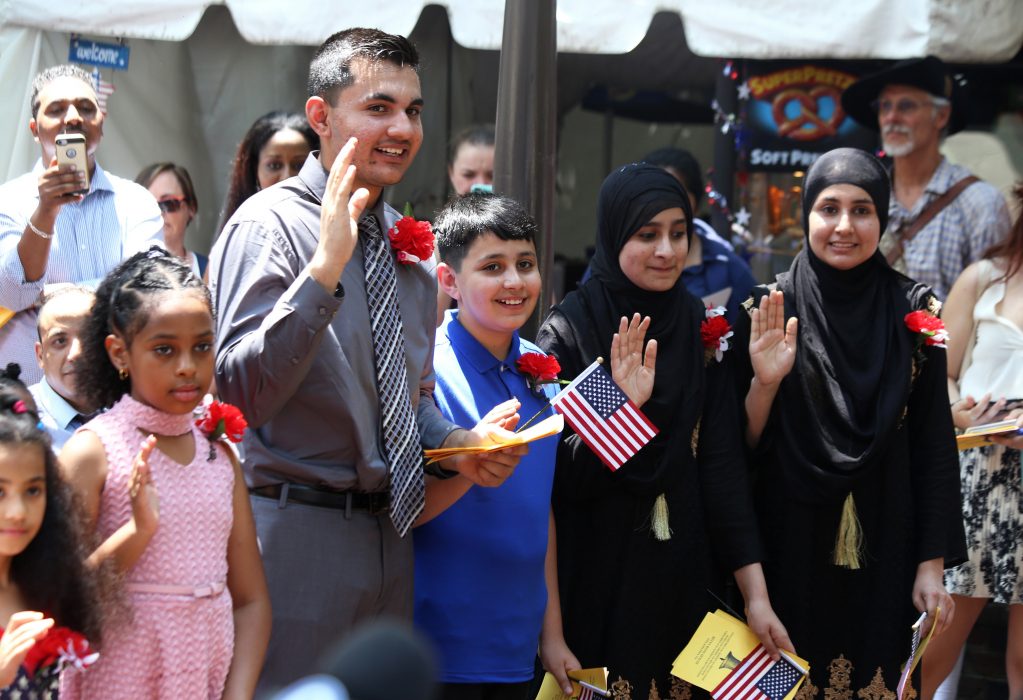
x=640, y=550
x=855, y=458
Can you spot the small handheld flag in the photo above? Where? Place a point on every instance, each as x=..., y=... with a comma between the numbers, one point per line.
x=604, y=417
x=759, y=677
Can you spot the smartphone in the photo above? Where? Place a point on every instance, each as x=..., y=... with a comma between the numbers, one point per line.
x=1012, y=405
x=71, y=149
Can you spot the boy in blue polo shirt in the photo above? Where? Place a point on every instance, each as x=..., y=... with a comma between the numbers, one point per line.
x=486, y=578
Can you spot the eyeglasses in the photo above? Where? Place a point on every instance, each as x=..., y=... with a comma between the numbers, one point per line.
x=904, y=106
x=171, y=205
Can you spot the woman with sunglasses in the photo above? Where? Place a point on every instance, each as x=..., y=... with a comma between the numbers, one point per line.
x=172, y=186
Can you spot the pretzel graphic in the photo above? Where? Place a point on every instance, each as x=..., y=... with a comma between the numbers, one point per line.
x=809, y=103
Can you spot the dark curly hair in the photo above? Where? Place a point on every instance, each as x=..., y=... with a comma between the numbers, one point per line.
x=244, y=182
x=122, y=306
x=51, y=573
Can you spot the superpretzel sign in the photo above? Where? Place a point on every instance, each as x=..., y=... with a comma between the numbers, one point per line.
x=795, y=114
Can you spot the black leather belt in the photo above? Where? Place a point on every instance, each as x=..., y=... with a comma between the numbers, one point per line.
x=347, y=501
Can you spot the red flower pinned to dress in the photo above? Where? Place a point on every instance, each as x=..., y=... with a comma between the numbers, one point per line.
x=61, y=646
x=219, y=419
x=412, y=240
x=222, y=419
x=929, y=329
x=715, y=332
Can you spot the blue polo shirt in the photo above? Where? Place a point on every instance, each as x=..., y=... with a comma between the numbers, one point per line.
x=480, y=592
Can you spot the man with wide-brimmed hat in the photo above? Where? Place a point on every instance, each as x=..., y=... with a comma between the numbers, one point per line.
x=941, y=217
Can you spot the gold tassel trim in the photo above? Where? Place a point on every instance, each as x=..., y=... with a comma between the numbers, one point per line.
x=849, y=543
x=659, y=519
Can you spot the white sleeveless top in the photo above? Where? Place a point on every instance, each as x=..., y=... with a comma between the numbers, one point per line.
x=997, y=363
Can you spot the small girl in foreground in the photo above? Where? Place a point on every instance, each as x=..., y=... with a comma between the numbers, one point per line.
x=42, y=565
x=172, y=514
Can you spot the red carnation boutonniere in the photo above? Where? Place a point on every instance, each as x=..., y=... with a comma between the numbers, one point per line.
x=219, y=419
x=929, y=329
x=61, y=647
x=411, y=239
x=539, y=369
x=715, y=332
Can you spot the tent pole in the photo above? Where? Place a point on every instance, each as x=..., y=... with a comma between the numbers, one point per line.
x=525, y=158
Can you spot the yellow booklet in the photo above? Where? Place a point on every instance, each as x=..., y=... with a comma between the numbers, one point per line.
x=545, y=428
x=979, y=435
x=723, y=645
x=592, y=679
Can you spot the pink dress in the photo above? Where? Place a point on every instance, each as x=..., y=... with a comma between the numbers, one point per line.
x=178, y=641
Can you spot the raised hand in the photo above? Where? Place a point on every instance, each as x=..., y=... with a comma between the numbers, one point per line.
x=631, y=368
x=339, y=220
x=145, y=503
x=23, y=630
x=772, y=342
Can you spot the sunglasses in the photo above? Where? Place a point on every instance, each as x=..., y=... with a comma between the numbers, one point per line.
x=171, y=206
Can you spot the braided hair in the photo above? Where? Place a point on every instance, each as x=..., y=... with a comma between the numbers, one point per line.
x=50, y=572
x=123, y=303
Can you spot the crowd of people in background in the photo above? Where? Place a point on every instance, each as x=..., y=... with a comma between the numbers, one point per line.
x=805, y=470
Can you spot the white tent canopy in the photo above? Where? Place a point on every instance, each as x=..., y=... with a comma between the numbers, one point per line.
x=957, y=30
x=201, y=72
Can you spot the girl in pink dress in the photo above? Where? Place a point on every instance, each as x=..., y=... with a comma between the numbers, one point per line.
x=169, y=505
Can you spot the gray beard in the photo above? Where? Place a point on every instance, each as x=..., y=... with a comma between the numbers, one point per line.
x=897, y=151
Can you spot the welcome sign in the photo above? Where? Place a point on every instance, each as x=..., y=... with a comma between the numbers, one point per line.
x=94, y=53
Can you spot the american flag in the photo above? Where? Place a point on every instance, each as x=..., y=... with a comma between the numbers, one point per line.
x=602, y=415
x=588, y=692
x=758, y=677
x=103, y=89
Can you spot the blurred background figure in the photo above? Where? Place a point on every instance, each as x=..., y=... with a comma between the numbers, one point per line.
x=471, y=158
x=383, y=660
x=470, y=162
x=175, y=194
x=273, y=149
x=984, y=315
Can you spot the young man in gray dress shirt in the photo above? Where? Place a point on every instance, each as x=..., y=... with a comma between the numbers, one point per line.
x=296, y=354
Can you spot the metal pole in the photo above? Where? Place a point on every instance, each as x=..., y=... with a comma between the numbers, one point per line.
x=525, y=158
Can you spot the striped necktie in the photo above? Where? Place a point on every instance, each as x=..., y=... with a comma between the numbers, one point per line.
x=397, y=420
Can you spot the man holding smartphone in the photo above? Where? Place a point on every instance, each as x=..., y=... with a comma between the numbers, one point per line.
x=61, y=223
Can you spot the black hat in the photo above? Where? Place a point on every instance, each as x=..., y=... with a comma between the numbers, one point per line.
x=928, y=74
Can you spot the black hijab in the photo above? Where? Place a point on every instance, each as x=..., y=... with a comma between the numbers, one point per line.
x=629, y=198
x=843, y=401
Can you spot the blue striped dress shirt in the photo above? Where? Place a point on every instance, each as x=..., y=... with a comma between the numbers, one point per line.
x=116, y=219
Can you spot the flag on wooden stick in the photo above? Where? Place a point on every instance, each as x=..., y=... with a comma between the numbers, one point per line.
x=604, y=417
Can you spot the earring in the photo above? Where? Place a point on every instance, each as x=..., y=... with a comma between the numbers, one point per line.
x=123, y=374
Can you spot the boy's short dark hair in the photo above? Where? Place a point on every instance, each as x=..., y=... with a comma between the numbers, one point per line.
x=468, y=217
